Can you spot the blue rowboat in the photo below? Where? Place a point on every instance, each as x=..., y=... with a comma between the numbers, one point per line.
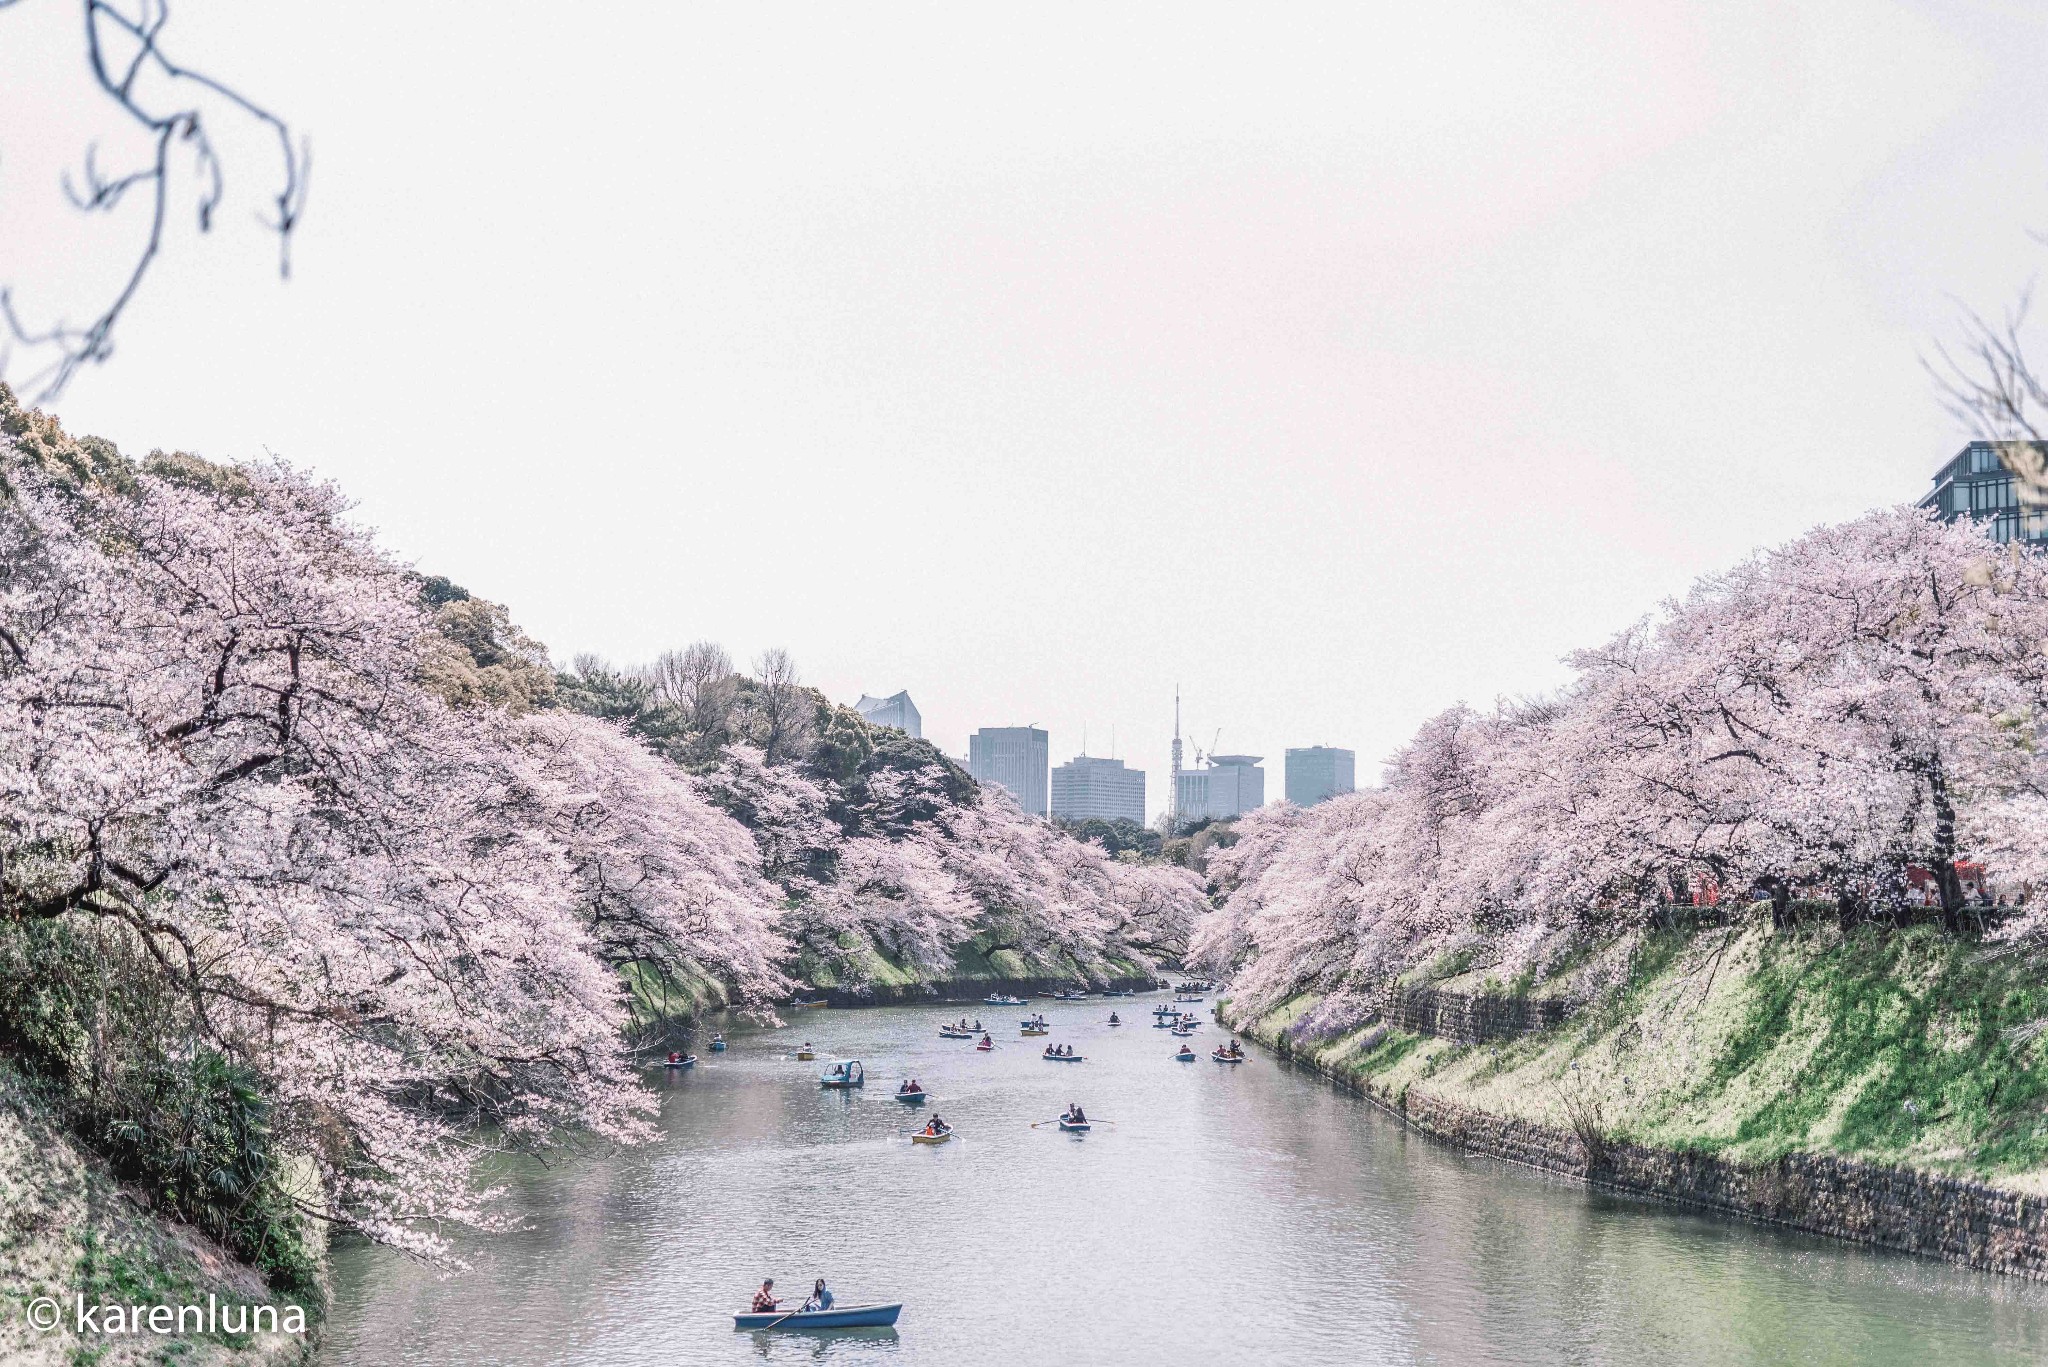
x=912, y=1098
x=1073, y=1128
x=1186, y=1056
x=718, y=1046
x=838, y=1317
x=1063, y=1058
x=690, y=1062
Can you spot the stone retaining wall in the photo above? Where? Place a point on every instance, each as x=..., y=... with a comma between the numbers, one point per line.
x=1952, y=1218
x=1469, y=1018
x=962, y=990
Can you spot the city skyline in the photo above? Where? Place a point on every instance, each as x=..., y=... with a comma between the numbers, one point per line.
x=975, y=370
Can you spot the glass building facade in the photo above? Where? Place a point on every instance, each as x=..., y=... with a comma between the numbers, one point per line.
x=1979, y=484
x=1014, y=758
x=1317, y=772
x=1087, y=787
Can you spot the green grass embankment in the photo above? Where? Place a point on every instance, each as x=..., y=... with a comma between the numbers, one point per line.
x=67, y=1229
x=1904, y=1048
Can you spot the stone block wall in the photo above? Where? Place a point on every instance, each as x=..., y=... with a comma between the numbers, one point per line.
x=1469, y=1017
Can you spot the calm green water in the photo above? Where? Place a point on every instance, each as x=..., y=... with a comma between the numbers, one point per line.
x=1246, y=1214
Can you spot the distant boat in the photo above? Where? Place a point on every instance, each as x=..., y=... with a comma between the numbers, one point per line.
x=1186, y=1056
x=915, y=1098
x=838, y=1317
x=1000, y=1000
x=1075, y=1127
x=941, y=1137
x=948, y=1032
x=819, y=1002
x=687, y=1062
x=1064, y=1058
x=842, y=1076
x=1222, y=1057
x=984, y=1047
x=1036, y=1030
x=718, y=1046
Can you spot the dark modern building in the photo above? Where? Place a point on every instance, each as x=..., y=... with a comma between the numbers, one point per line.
x=1086, y=786
x=1317, y=772
x=1977, y=484
x=1015, y=758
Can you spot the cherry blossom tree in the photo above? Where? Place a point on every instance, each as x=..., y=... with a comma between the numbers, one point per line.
x=1816, y=722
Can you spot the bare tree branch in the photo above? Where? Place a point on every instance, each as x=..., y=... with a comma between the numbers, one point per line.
x=123, y=52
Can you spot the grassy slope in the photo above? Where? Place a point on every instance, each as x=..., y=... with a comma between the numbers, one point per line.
x=66, y=1227
x=1903, y=1048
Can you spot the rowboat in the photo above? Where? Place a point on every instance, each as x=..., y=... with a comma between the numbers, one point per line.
x=838, y=1317
x=718, y=1046
x=1000, y=1000
x=983, y=1048
x=1186, y=1055
x=1070, y=996
x=1187, y=999
x=690, y=1062
x=1114, y=1024
x=1035, y=1023
x=922, y=1138
x=805, y=1055
x=915, y=1098
x=1064, y=1058
x=945, y=1033
x=1222, y=1057
x=1030, y=1030
x=841, y=1076
x=1073, y=1128
x=819, y=1002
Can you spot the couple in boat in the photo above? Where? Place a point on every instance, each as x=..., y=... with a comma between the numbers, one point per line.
x=1075, y=1115
x=1058, y=1050
x=911, y=1087
x=1230, y=1050
x=963, y=1025
x=766, y=1302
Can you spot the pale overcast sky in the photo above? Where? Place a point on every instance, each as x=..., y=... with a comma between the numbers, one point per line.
x=1337, y=364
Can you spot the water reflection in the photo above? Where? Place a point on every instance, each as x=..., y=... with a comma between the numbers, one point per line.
x=1242, y=1214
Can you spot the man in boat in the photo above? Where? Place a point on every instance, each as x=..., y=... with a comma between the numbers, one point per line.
x=764, y=1299
x=1075, y=1116
x=1113, y=1020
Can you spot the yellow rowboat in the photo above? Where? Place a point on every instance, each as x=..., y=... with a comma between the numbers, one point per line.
x=805, y=1055
x=922, y=1138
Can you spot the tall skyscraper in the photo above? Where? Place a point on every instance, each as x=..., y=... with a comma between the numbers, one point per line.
x=896, y=710
x=1317, y=772
x=1976, y=484
x=1087, y=787
x=1015, y=758
x=1229, y=786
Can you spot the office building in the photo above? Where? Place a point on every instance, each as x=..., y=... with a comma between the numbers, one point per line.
x=1317, y=772
x=1977, y=484
x=1230, y=785
x=896, y=710
x=1086, y=787
x=1015, y=758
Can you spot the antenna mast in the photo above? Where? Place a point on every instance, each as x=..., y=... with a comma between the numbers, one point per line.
x=1173, y=792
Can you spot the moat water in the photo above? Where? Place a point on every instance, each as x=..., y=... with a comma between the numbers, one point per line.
x=1226, y=1214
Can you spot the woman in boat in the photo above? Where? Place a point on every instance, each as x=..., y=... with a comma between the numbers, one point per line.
x=820, y=1298
x=764, y=1299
